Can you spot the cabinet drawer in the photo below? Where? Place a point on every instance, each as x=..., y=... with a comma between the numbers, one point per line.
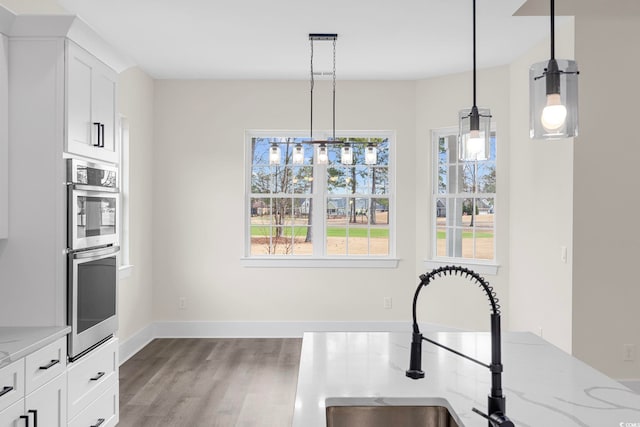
x=11, y=383
x=102, y=412
x=91, y=375
x=45, y=364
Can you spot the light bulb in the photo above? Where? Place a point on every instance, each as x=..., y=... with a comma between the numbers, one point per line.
x=274, y=155
x=554, y=114
x=371, y=155
x=347, y=155
x=298, y=155
x=323, y=155
x=475, y=143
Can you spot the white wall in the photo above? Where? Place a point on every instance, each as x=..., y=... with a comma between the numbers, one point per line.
x=199, y=199
x=606, y=288
x=135, y=299
x=541, y=212
x=454, y=302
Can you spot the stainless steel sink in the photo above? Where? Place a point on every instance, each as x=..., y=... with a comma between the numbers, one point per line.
x=383, y=414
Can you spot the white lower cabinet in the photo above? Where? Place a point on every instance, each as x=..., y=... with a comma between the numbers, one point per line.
x=102, y=412
x=47, y=406
x=93, y=387
x=38, y=383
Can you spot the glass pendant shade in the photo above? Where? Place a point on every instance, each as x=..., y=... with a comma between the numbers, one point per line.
x=298, y=154
x=474, y=134
x=553, y=94
x=346, y=155
x=274, y=155
x=371, y=155
x=323, y=154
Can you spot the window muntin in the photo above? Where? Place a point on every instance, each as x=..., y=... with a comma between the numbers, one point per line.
x=463, y=201
x=285, y=199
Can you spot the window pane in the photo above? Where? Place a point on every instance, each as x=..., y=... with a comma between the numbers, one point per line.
x=260, y=211
x=302, y=243
x=261, y=179
x=358, y=241
x=260, y=151
x=380, y=209
x=338, y=181
x=441, y=242
x=379, y=180
x=337, y=217
x=260, y=240
x=487, y=177
x=301, y=179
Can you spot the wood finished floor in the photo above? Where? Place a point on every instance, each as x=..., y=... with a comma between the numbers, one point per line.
x=210, y=382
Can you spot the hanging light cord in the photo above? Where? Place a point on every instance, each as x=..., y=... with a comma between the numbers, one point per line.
x=474, y=52
x=553, y=30
x=334, y=89
x=311, y=97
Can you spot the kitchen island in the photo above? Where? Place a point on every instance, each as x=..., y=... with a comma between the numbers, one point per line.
x=543, y=385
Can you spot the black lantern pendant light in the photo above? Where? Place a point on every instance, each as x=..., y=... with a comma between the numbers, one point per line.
x=474, y=123
x=553, y=91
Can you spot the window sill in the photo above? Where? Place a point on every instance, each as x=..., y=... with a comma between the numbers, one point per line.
x=125, y=271
x=274, y=262
x=479, y=267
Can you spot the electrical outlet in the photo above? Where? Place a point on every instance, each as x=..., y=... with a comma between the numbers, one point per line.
x=387, y=303
x=540, y=331
x=182, y=303
x=629, y=352
x=563, y=254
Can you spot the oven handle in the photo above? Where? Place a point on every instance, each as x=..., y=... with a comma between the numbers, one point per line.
x=96, y=253
x=85, y=187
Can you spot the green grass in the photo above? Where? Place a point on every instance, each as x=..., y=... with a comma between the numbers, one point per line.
x=376, y=233
x=468, y=235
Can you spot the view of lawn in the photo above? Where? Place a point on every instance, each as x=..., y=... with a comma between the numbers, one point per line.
x=331, y=232
x=469, y=235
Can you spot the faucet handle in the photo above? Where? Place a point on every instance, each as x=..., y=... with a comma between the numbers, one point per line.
x=497, y=419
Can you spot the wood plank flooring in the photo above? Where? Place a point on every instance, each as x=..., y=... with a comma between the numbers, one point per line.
x=210, y=382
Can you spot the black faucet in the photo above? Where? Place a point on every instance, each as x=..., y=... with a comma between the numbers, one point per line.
x=496, y=413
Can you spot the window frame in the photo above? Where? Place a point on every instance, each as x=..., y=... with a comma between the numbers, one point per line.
x=481, y=266
x=319, y=209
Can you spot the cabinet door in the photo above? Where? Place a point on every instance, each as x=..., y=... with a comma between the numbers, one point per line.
x=10, y=417
x=47, y=406
x=91, y=106
x=80, y=131
x=104, y=107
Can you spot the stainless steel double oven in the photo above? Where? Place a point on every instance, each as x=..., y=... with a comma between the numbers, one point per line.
x=93, y=254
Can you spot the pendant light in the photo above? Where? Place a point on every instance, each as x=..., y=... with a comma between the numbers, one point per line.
x=274, y=154
x=553, y=92
x=474, y=123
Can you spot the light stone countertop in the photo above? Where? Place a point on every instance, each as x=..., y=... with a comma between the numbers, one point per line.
x=543, y=385
x=17, y=342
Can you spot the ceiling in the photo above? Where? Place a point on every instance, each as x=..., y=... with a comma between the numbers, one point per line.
x=258, y=39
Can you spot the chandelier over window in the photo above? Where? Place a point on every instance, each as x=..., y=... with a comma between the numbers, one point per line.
x=322, y=149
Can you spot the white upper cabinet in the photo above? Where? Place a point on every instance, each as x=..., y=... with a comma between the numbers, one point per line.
x=91, y=106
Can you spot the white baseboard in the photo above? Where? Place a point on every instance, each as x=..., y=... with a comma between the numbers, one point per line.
x=136, y=342
x=191, y=329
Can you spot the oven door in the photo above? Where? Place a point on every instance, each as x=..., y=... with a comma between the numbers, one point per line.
x=93, y=217
x=93, y=296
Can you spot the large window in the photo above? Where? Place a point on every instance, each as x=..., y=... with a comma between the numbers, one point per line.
x=463, y=202
x=318, y=210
